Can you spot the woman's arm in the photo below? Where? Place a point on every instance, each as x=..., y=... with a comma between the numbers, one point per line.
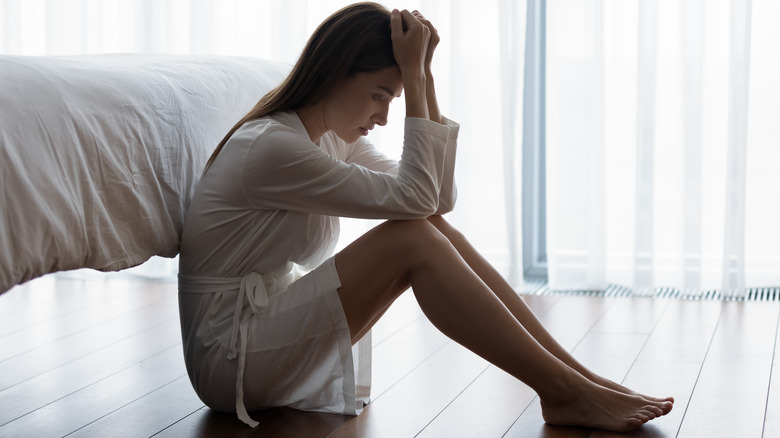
x=283, y=170
x=448, y=191
x=430, y=91
x=409, y=48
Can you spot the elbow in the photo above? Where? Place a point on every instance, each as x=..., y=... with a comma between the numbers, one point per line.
x=420, y=201
x=447, y=202
x=421, y=207
x=445, y=208
x=427, y=207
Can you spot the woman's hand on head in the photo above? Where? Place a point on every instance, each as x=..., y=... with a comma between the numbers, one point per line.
x=433, y=41
x=411, y=41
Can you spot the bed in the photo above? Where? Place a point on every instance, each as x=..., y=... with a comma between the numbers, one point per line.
x=99, y=155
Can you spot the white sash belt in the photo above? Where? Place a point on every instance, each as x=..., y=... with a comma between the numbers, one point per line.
x=254, y=289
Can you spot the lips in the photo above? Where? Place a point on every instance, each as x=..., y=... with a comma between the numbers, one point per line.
x=364, y=131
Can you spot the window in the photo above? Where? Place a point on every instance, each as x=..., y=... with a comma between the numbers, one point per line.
x=534, y=207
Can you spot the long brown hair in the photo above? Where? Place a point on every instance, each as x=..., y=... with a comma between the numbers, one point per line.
x=353, y=39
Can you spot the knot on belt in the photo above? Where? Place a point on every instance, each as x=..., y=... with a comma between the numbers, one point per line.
x=254, y=291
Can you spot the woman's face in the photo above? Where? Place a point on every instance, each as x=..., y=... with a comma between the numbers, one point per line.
x=362, y=102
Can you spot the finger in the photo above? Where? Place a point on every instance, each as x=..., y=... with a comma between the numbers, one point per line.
x=419, y=16
x=396, y=25
x=428, y=24
x=409, y=19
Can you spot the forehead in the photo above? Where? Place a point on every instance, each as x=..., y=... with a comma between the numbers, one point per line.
x=387, y=79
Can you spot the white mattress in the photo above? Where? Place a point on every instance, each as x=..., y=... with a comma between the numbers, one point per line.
x=99, y=155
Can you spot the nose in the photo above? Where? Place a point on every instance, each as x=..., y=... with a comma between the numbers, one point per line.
x=380, y=118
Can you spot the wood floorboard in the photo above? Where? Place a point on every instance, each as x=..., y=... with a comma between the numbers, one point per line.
x=406, y=408
x=147, y=415
x=274, y=423
x=610, y=355
x=731, y=392
x=45, y=388
x=671, y=358
x=541, y=304
x=772, y=421
x=487, y=407
x=632, y=315
x=401, y=354
x=285, y=422
x=96, y=358
x=97, y=317
x=612, y=346
x=205, y=422
x=402, y=313
x=45, y=358
x=101, y=398
x=684, y=332
x=570, y=319
x=48, y=298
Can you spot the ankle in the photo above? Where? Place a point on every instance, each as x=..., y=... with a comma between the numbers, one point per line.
x=564, y=390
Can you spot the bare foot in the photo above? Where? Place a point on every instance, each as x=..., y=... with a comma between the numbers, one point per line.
x=667, y=407
x=597, y=407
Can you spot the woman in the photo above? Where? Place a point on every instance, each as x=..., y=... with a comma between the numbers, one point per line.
x=257, y=333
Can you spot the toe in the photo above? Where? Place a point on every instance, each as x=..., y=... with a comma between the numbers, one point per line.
x=643, y=416
x=655, y=410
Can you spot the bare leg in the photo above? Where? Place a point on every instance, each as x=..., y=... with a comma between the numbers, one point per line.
x=520, y=309
x=376, y=268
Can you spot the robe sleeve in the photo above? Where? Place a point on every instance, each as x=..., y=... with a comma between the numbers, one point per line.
x=448, y=192
x=286, y=171
x=367, y=155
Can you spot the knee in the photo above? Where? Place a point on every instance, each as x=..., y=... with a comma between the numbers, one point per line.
x=444, y=227
x=420, y=237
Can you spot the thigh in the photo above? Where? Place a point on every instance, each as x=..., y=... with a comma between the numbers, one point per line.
x=375, y=268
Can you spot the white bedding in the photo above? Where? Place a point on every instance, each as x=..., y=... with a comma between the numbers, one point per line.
x=99, y=154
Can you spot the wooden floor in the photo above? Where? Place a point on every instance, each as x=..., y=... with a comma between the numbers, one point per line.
x=102, y=358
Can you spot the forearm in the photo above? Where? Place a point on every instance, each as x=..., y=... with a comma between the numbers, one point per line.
x=430, y=96
x=413, y=49
x=416, y=96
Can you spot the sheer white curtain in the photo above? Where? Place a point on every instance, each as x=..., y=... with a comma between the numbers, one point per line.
x=478, y=67
x=662, y=144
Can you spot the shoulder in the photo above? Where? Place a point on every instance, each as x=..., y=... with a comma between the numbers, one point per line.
x=270, y=132
x=269, y=142
x=264, y=130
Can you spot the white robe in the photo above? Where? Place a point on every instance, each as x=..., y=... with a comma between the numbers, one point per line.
x=256, y=331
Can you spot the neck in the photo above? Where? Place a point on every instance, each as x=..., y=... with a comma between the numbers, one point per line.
x=313, y=120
